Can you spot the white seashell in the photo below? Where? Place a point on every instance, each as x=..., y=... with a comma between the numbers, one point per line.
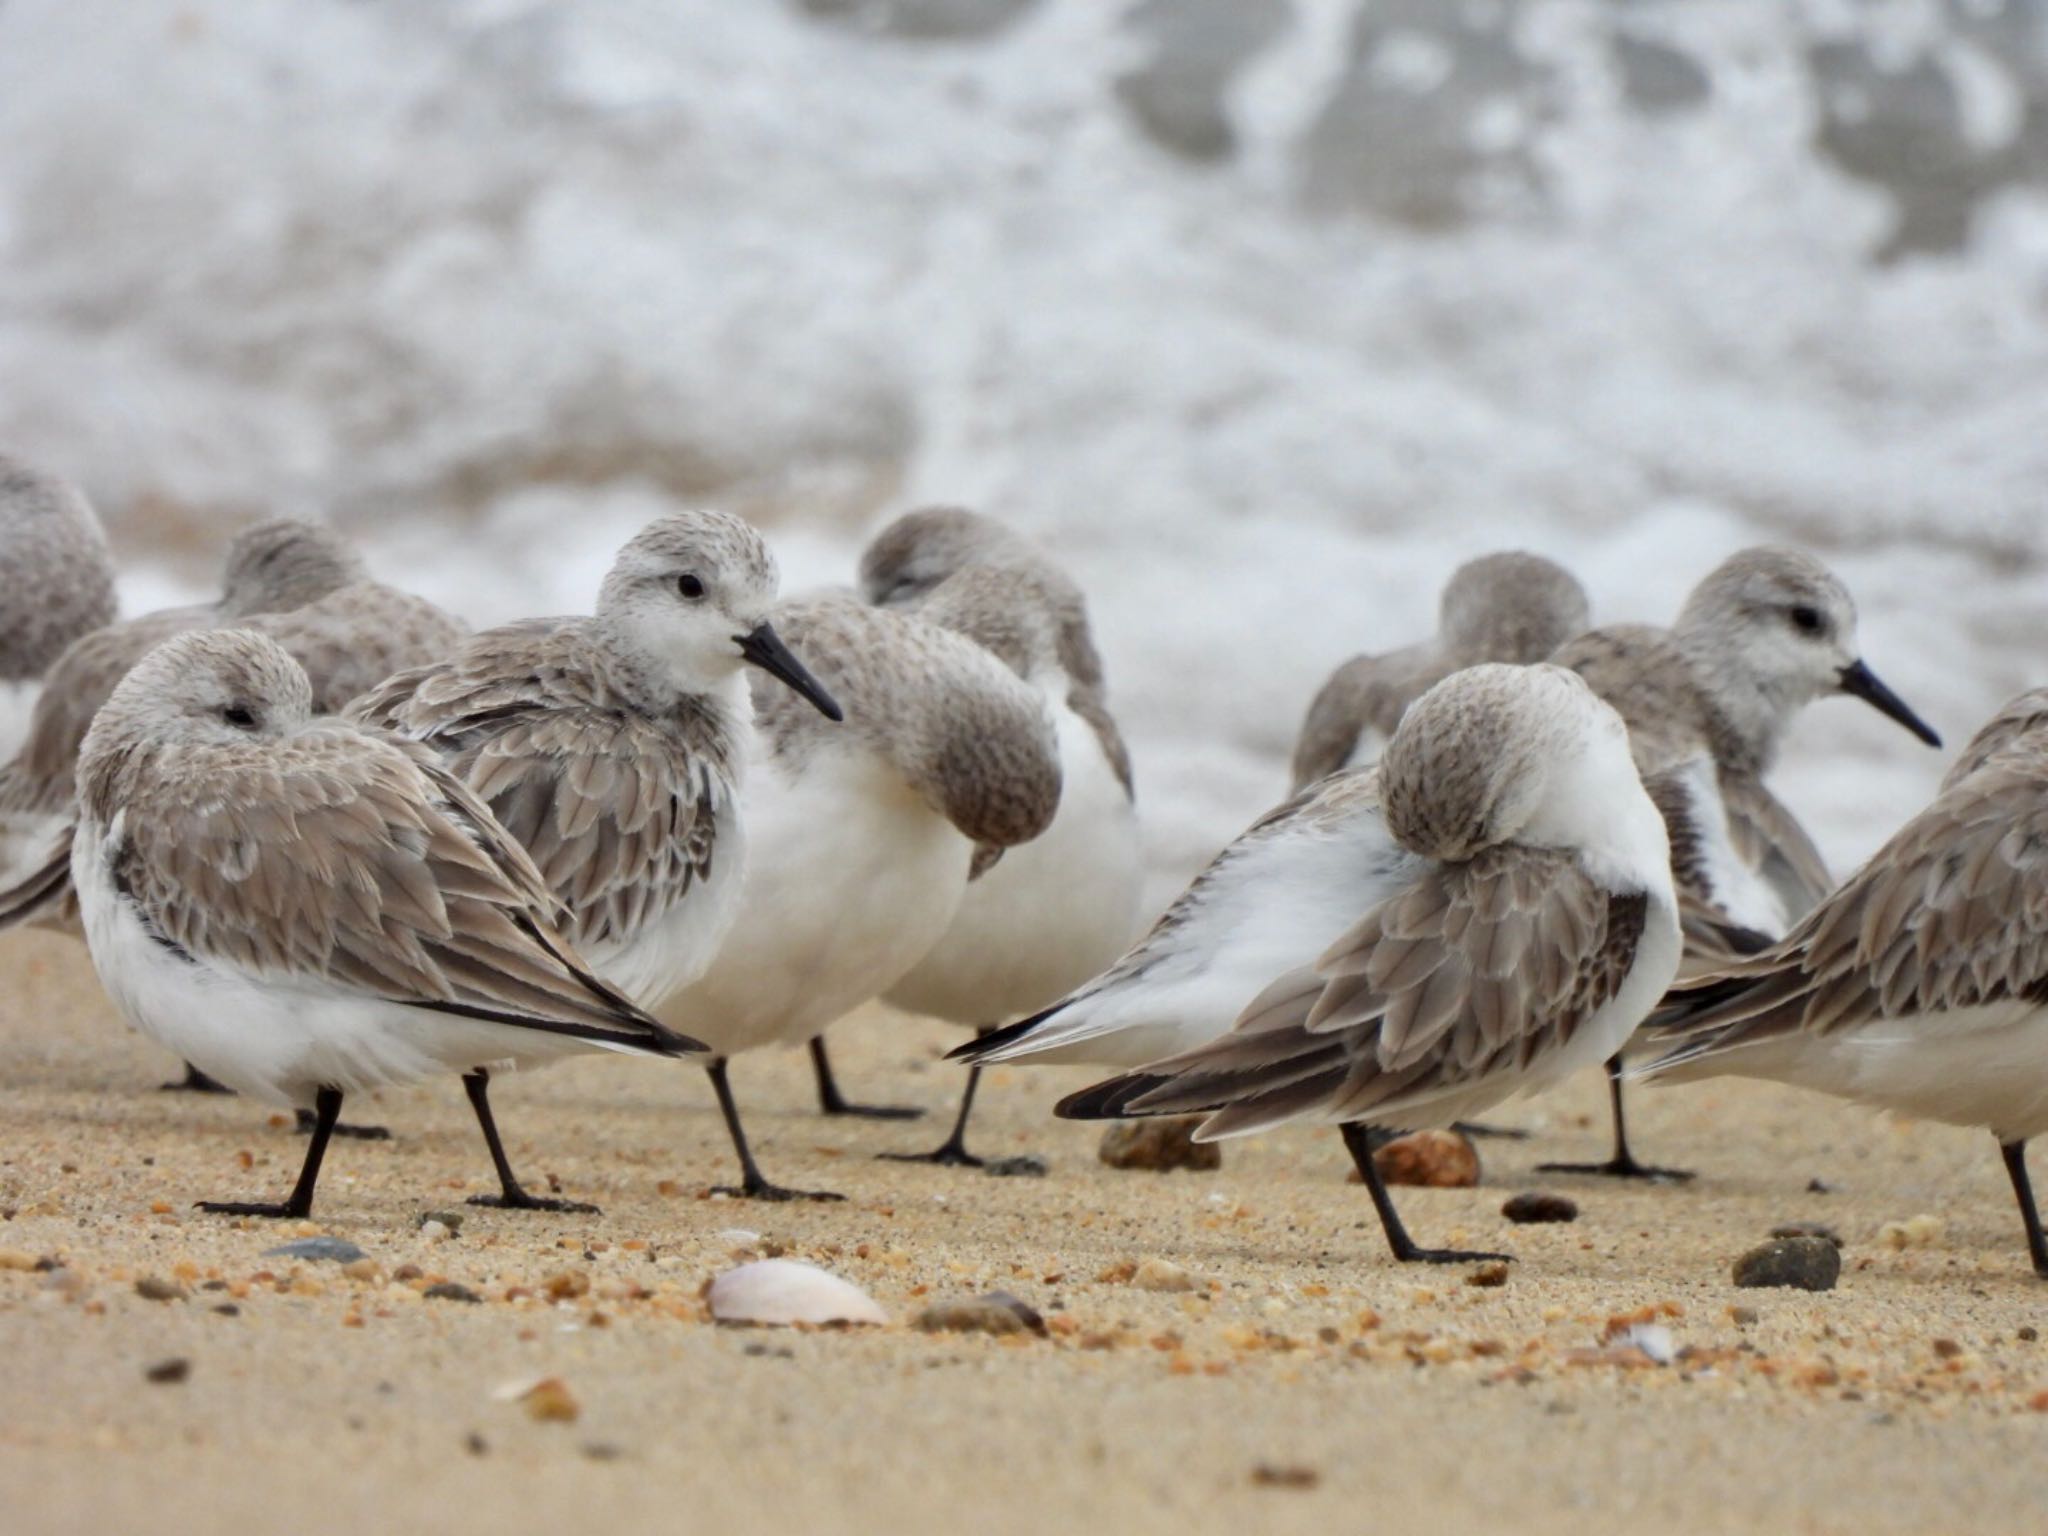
x=1654, y=1340
x=778, y=1292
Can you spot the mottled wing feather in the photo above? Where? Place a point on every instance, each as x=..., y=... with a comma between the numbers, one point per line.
x=364, y=864
x=1769, y=838
x=1477, y=969
x=1951, y=913
x=619, y=818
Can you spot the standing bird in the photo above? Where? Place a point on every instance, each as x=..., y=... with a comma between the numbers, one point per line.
x=1921, y=986
x=271, y=568
x=1055, y=911
x=306, y=909
x=1508, y=606
x=614, y=747
x=865, y=838
x=56, y=583
x=1506, y=889
x=1764, y=634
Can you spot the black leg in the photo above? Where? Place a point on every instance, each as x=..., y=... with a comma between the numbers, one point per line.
x=953, y=1153
x=752, y=1185
x=511, y=1197
x=2015, y=1154
x=1623, y=1164
x=832, y=1102
x=327, y=1104
x=1358, y=1141
x=196, y=1081
x=307, y=1120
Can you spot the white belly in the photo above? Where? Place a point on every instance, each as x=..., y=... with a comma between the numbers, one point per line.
x=276, y=1040
x=850, y=878
x=1051, y=914
x=669, y=953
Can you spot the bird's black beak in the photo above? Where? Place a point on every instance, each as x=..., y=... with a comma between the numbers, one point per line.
x=764, y=648
x=1860, y=682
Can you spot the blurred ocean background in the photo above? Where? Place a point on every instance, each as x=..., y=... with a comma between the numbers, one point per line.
x=1263, y=314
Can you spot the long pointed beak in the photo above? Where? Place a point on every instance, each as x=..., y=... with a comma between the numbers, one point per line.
x=1860, y=682
x=764, y=648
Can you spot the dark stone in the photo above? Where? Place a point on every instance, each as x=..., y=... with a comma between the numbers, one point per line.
x=168, y=1373
x=1801, y=1263
x=1535, y=1206
x=998, y=1312
x=1024, y=1166
x=448, y=1290
x=156, y=1288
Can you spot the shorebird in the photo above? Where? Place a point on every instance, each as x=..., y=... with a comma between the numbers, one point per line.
x=1502, y=885
x=307, y=909
x=1921, y=986
x=614, y=747
x=864, y=838
x=56, y=583
x=1057, y=910
x=1508, y=606
x=1765, y=633
x=273, y=567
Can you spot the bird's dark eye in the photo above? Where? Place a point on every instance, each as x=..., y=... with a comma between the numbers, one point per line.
x=240, y=716
x=1806, y=620
x=690, y=585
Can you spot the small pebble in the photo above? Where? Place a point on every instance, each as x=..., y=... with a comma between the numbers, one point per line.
x=603, y=1450
x=1024, y=1166
x=2028, y=1334
x=1428, y=1160
x=436, y=1231
x=168, y=1373
x=14, y=1258
x=1921, y=1231
x=1804, y=1263
x=1807, y=1229
x=318, y=1250
x=998, y=1312
x=476, y=1444
x=452, y=1220
x=1265, y=1475
x=449, y=1290
x=156, y=1288
x=1488, y=1276
x=1534, y=1206
x=1159, y=1146
x=1160, y=1275
x=549, y=1401
x=1743, y=1317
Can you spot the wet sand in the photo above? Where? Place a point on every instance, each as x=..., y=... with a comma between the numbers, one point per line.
x=1307, y=1384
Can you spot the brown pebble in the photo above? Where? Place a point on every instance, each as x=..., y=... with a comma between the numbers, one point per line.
x=998, y=1312
x=2028, y=1334
x=1428, y=1160
x=551, y=1402
x=1159, y=1145
x=1946, y=1349
x=156, y=1288
x=1534, y=1206
x=1802, y=1263
x=168, y=1373
x=449, y=1290
x=565, y=1284
x=476, y=1444
x=1488, y=1276
x=1743, y=1317
x=1266, y=1475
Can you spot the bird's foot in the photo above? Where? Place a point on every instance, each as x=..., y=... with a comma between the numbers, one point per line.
x=951, y=1155
x=1621, y=1168
x=275, y=1211
x=520, y=1200
x=307, y=1120
x=761, y=1189
x=194, y=1081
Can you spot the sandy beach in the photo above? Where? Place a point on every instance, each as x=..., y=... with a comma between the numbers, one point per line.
x=1306, y=1383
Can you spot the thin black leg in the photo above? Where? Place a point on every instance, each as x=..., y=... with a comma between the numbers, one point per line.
x=953, y=1152
x=832, y=1102
x=511, y=1197
x=1358, y=1141
x=327, y=1106
x=2015, y=1155
x=1623, y=1164
x=307, y=1120
x=196, y=1081
x=752, y=1185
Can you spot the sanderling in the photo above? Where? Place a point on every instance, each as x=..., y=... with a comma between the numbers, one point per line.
x=56, y=583
x=1921, y=986
x=1057, y=910
x=1508, y=606
x=1764, y=634
x=1512, y=919
x=306, y=908
x=614, y=746
x=273, y=567
x=863, y=838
